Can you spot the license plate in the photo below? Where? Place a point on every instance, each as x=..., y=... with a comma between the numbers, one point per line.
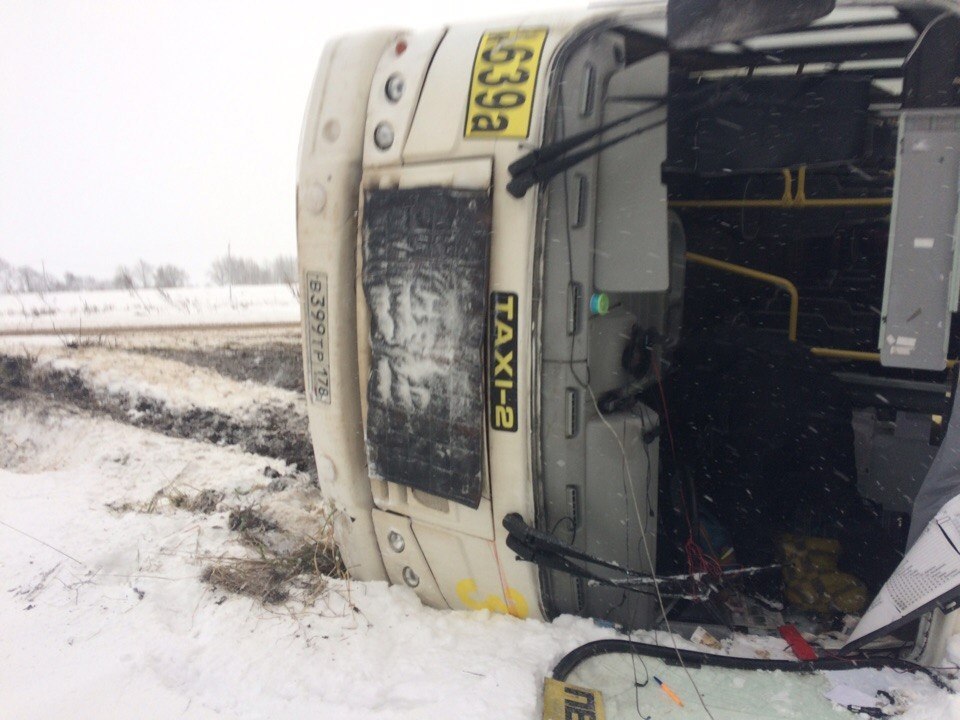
x=316, y=310
x=503, y=82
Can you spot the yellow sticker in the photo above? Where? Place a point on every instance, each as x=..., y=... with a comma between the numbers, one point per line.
x=502, y=355
x=515, y=605
x=569, y=702
x=503, y=82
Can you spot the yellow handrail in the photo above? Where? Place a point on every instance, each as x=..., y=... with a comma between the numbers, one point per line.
x=840, y=354
x=789, y=200
x=780, y=282
x=857, y=355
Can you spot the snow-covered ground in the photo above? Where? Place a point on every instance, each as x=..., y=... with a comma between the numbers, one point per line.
x=104, y=614
x=104, y=547
x=62, y=311
x=114, y=370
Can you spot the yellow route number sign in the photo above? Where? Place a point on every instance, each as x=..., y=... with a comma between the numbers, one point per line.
x=504, y=79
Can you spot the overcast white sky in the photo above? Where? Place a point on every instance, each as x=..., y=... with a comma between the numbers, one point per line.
x=164, y=129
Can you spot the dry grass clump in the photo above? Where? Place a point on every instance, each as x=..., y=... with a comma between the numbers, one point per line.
x=205, y=501
x=280, y=566
x=249, y=520
x=270, y=579
x=255, y=578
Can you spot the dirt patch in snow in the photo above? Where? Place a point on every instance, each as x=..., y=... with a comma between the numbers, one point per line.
x=278, y=364
x=270, y=431
x=14, y=376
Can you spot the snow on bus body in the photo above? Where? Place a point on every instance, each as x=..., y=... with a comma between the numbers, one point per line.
x=55, y=311
x=752, y=695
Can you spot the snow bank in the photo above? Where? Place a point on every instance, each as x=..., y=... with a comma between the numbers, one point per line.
x=176, y=384
x=123, y=627
x=149, y=308
x=104, y=614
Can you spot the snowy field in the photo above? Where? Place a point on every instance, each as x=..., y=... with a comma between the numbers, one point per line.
x=109, y=618
x=58, y=312
x=164, y=557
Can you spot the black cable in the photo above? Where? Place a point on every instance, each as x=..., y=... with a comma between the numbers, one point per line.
x=633, y=662
x=569, y=239
x=560, y=166
x=861, y=710
x=646, y=451
x=573, y=528
x=637, y=684
x=696, y=658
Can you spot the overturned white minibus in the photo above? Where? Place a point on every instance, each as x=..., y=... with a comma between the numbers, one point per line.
x=644, y=313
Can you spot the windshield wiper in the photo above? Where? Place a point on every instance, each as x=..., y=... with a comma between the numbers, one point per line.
x=543, y=170
x=546, y=550
x=539, y=165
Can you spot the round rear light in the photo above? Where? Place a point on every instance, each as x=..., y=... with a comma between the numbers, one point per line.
x=395, y=540
x=383, y=136
x=394, y=88
x=410, y=577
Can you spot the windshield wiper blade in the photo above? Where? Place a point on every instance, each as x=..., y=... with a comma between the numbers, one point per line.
x=549, y=152
x=546, y=550
x=543, y=171
x=543, y=541
x=539, y=166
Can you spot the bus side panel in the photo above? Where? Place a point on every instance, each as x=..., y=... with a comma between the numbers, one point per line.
x=328, y=185
x=438, y=133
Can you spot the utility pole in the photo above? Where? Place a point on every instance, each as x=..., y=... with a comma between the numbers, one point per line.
x=230, y=274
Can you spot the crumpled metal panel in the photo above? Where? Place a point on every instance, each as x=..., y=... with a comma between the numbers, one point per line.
x=425, y=275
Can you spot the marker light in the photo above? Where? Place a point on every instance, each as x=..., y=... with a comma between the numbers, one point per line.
x=395, y=540
x=383, y=135
x=410, y=577
x=394, y=88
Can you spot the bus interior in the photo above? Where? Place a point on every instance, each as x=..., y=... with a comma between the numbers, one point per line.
x=710, y=297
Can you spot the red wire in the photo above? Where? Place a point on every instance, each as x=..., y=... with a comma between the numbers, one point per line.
x=697, y=560
x=666, y=412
